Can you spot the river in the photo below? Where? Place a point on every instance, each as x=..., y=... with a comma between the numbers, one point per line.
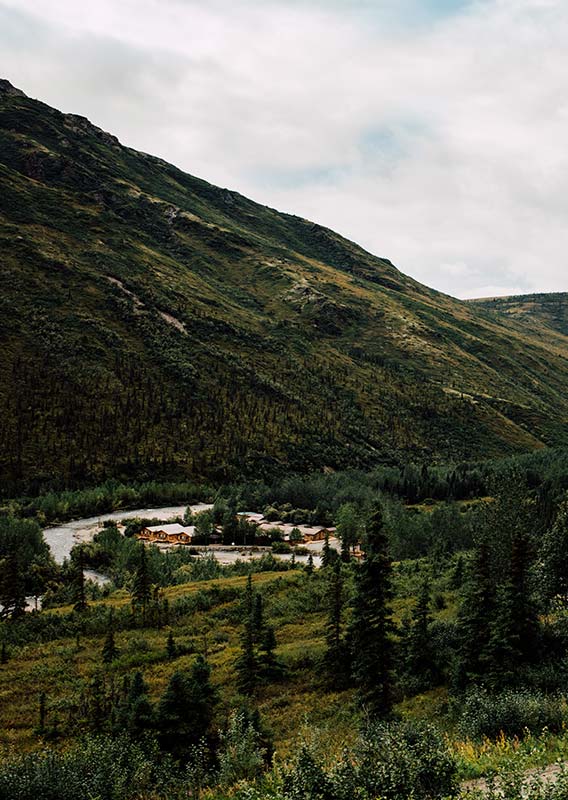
x=62, y=538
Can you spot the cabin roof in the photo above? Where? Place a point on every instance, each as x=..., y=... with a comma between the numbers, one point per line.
x=171, y=527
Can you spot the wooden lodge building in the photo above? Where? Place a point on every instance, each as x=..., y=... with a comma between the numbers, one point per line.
x=309, y=533
x=171, y=533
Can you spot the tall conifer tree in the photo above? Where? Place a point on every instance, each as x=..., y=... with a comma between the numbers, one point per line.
x=418, y=657
x=553, y=560
x=514, y=630
x=336, y=656
x=474, y=617
x=372, y=626
x=110, y=650
x=79, y=593
x=247, y=662
x=142, y=585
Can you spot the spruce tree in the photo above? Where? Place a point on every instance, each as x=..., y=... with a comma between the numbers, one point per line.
x=79, y=594
x=171, y=648
x=204, y=698
x=310, y=564
x=142, y=584
x=135, y=713
x=97, y=703
x=372, y=627
x=336, y=659
x=417, y=645
x=553, y=560
x=174, y=717
x=271, y=667
x=110, y=651
x=474, y=618
x=514, y=636
x=185, y=710
x=246, y=664
x=525, y=613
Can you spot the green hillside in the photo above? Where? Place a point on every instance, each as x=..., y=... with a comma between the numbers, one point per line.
x=548, y=310
x=153, y=324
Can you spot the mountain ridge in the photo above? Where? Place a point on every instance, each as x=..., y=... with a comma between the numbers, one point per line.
x=174, y=327
x=549, y=309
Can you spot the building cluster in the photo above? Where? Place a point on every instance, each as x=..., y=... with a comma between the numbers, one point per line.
x=174, y=533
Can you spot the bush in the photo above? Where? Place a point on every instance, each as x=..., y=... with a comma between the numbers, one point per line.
x=391, y=761
x=399, y=761
x=102, y=768
x=512, y=712
x=242, y=755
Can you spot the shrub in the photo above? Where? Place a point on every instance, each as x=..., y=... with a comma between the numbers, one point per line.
x=102, y=768
x=391, y=761
x=512, y=712
x=241, y=756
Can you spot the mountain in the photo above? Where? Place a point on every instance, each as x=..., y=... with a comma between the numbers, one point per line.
x=152, y=324
x=538, y=310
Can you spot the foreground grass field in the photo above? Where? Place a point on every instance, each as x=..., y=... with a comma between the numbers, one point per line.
x=65, y=667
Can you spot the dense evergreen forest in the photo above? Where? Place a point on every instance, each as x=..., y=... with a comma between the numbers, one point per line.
x=437, y=657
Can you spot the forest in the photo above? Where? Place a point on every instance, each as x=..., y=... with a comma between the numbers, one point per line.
x=432, y=667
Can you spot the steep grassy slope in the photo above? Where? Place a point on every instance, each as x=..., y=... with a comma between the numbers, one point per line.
x=538, y=310
x=153, y=323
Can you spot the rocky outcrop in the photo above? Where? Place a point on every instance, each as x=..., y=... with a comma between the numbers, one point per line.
x=7, y=89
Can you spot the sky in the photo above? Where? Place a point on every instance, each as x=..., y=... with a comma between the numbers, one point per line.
x=432, y=132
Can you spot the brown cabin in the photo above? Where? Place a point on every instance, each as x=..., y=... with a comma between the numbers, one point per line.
x=172, y=533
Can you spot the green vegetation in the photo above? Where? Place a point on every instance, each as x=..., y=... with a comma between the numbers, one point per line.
x=541, y=311
x=26, y=566
x=418, y=674
x=175, y=330
x=181, y=344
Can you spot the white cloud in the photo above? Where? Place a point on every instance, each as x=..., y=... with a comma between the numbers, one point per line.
x=440, y=145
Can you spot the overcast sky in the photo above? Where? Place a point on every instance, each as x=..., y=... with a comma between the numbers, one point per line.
x=432, y=132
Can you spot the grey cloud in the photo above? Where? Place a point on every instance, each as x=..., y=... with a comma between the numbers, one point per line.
x=439, y=145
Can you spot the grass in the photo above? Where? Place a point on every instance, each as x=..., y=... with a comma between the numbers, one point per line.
x=298, y=705
x=62, y=669
x=480, y=759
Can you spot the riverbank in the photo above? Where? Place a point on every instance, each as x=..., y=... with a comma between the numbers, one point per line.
x=62, y=538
